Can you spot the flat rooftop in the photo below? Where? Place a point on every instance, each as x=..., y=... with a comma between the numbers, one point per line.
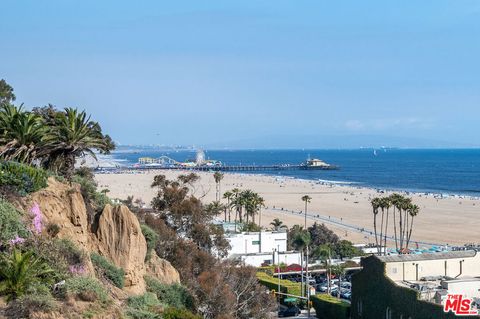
x=428, y=256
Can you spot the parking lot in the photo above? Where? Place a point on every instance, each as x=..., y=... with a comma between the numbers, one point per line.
x=337, y=287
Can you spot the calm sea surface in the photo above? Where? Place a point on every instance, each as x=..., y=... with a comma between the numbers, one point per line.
x=438, y=171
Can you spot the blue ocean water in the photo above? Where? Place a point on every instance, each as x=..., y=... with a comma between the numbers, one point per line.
x=444, y=171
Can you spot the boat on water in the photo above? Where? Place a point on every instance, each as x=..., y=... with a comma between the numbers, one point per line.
x=315, y=163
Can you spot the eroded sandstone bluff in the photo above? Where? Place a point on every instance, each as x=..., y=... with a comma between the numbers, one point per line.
x=116, y=234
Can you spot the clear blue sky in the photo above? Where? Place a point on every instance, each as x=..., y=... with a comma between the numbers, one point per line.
x=253, y=73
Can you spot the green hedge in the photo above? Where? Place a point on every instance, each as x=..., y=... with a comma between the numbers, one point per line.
x=108, y=270
x=21, y=178
x=286, y=286
x=327, y=307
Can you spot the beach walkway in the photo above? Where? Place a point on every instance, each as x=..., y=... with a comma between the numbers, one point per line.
x=339, y=223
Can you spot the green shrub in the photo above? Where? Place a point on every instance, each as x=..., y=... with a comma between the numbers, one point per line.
x=108, y=270
x=88, y=186
x=71, y=252
x=20, y=271
x=86, y=288
x=151, y=237
x=327, y=307
x=23, y=306
x=142, y=314
x=174, y=295
x=100, y=200
x=60, y=254
x=11, y=224
x=21, y=178
x=145, y=306
x=174, y=313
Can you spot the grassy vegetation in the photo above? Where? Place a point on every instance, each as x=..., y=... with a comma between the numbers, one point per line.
x=146, y=306
x=327, y=307
x=108, y=270
x=90, y=193
x=34, y=302
x=174, y=313
x=151, y=237
x=174, y=295
x=11, y=224
x=86, y=289
x=22, y=179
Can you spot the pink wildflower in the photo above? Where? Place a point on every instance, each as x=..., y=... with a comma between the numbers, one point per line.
x=37, y=218
x=17, y=240
x=77, y=269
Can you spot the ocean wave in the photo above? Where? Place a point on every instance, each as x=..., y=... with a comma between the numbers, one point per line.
x=326, y=181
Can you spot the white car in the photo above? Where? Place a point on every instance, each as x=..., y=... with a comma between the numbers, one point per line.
x=325, y=288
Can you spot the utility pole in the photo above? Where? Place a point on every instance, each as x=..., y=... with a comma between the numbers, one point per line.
x=278, y=274
x=307, y=199
x=307, y=284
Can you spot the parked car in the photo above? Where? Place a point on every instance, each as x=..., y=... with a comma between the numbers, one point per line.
x=346, y=294
x=311, y=281
x=289, y=312
x=346, y=284
x=325, y=288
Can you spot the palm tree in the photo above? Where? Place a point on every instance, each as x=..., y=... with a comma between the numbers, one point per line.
x=301, y=242
x=248, y=202
x=375, y=206
x=214, y=208
x=19, y=271
x=236, y=203
x=323, y=252
x=21, y=134
x=218, y=178
x=258, y=203
x=402, y=204
x=307, y=200
x=338, y=271
x=277, y=224
x=228, y=196
x=385, y=205
x=74, y=135
x=412, y=212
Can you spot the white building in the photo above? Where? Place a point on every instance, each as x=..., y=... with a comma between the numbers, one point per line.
x=257, y=242
x=257, y=248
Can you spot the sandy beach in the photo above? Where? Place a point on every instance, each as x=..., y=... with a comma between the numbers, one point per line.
x=346, y=209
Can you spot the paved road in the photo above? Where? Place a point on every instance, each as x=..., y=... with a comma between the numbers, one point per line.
x=340, y=223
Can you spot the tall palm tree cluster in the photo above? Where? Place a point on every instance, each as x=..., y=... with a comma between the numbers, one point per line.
x=245, y=203
x=403, y=212
x=49, y=138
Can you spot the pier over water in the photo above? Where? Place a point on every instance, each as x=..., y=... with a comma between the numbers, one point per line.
x=202, y=164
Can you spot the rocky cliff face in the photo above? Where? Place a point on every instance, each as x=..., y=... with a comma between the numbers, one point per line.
x=120, y=239
x=162, y=270
x=118, y=236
